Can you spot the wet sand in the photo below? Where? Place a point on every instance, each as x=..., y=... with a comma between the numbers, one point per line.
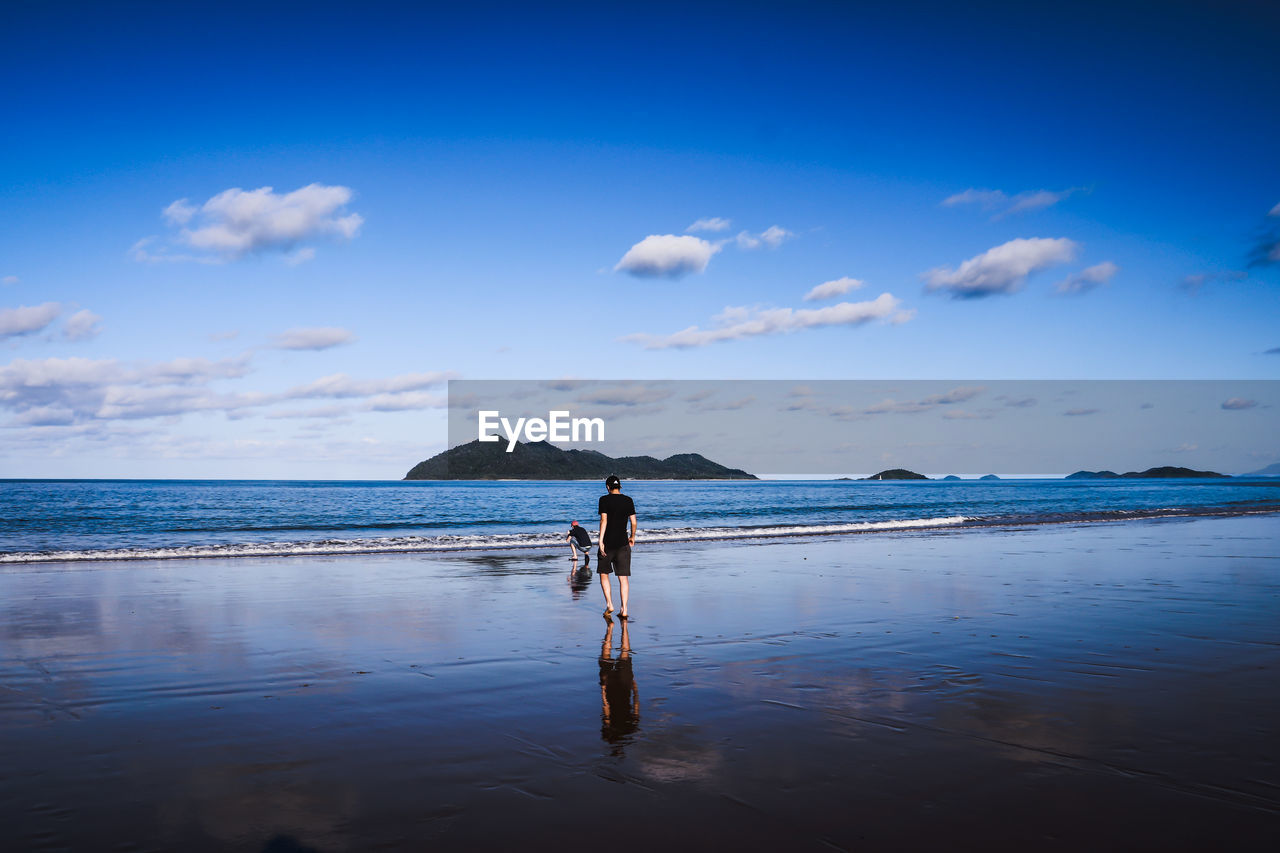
x=1108, y=686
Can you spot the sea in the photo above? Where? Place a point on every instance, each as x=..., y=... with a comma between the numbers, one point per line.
x=44, y=521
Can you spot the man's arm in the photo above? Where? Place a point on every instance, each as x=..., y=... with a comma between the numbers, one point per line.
x=604, y=522
x=632, y=539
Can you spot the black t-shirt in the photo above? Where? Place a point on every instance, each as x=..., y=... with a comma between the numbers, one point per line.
x=583, y=537
x=617, y=510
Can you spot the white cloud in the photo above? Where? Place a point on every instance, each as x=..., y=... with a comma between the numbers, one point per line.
x=237, y=222
x=97, y=388
x=79, y=390
x=179, y=212
x=27, y=319
x=714, y=223
x=82, y=326
x=835, y=287
x=1005, y=204
x=773, y=237
x=9, y=279
x=313, y=339
x=1088, y=278
x=1239, y=404
x=1275, y=211
x=1003, y=269
x=736, y=323
x=667, y=256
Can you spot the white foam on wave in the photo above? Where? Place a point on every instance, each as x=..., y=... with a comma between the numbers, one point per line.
x=477, y=542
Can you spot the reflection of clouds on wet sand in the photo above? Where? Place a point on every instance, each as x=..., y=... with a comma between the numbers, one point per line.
x=272, y=803
x=677, y=753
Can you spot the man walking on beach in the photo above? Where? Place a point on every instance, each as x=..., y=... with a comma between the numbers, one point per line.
x=616, y=512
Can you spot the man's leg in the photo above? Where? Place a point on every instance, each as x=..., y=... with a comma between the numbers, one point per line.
x=624, y=587
x=604, y=586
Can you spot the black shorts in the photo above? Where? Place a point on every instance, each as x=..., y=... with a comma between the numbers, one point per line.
x=616, y=561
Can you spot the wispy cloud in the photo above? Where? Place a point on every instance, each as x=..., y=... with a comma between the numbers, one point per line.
x=27, y=319
x=714, y=224
x=82, y=326
x=1003, y=269
x=627, y=394
x=1088, y=278
x=312, y=339
x=737, y=323
x=722, y=406
x=1079, y=413
x=771, y=237
x=1236, y=404
x=833, y=288
x=1266, y=248
x=1003, y=204
x=236, y=222
x=667, y=256
x=300, y=257
x=958, y=394
x=9, y=279
x=342, y=386
x=1193, y=283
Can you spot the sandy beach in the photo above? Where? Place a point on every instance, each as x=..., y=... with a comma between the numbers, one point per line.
x=1107, y=686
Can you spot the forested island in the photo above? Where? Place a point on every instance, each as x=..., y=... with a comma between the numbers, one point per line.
x=1165, y=472
x=542, y=460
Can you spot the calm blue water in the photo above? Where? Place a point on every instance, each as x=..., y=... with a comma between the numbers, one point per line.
x=104, y=519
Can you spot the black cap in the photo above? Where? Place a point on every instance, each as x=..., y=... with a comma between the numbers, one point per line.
x=612, y=482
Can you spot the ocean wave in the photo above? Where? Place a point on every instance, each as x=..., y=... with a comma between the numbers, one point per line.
x=460, y=542
x=532, y=541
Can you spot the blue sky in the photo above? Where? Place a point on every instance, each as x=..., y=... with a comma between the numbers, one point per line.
x=1072, y=191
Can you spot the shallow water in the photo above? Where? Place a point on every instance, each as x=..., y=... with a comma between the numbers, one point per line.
x=1110, y=686
x=62, y=520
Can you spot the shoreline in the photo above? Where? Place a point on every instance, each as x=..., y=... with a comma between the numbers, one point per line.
x=445, y=544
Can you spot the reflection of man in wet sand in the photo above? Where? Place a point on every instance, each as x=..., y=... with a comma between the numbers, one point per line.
x=619, y=697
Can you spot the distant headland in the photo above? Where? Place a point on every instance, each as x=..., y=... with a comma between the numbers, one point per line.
x=542, y=460
x=1166, y=472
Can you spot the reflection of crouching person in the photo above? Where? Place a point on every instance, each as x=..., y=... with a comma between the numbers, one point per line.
x=579, y=540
